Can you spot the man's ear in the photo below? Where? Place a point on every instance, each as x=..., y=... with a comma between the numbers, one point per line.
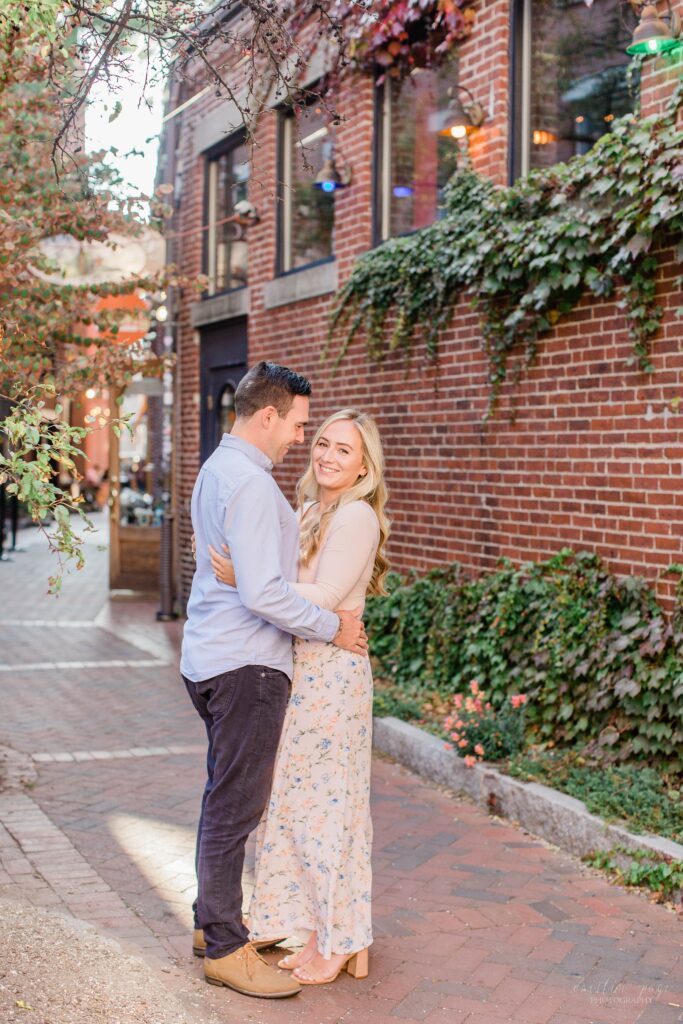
x=268, y=414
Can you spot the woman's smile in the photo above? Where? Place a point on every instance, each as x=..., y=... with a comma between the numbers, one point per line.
x=338, y=457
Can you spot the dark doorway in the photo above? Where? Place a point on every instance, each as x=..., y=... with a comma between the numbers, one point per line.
x=223, y=362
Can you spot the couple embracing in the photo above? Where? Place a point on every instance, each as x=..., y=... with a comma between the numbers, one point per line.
x=288, y=725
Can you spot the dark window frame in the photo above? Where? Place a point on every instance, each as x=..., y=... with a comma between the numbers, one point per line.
x=211, y=155
x=285, y=113
x=520, y=89
x=516, y=85
x=378, y=153
x=378, y=163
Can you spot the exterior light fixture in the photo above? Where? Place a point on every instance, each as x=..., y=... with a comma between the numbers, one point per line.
x=329, y=178
x=458, y=121
x=653, y=35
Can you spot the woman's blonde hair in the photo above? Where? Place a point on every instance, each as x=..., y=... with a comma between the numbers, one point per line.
x=370, y=488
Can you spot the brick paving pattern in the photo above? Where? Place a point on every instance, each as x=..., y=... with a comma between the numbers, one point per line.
x=475, y=920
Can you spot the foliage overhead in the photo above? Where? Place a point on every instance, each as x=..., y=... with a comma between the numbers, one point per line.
x=401, y=35
x=594, y=653
x=528, y=253
x=269, y=44
x=247, y=50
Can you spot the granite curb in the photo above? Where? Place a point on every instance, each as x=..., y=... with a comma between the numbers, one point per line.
x=554, y=816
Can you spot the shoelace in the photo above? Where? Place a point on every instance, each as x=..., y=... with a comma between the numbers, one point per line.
x=252, y=957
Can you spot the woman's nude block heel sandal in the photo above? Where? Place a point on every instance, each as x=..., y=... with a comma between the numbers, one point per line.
x=357, y=966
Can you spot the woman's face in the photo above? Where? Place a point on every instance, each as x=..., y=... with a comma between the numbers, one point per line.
x=338, y=457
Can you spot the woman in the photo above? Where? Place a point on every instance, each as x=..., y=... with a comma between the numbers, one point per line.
x=313, y=845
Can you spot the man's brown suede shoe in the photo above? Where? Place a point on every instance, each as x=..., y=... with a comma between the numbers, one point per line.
x=199, y=943
x=247, y=972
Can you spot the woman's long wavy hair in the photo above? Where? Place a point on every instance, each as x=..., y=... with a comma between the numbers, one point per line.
x=370, y=488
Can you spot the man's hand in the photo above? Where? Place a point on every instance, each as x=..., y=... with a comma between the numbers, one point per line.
x=351, y=635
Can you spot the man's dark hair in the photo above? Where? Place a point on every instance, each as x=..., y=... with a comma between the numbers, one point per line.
x=269, y=384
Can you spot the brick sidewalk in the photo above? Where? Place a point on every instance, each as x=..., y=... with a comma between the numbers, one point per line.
x=475, y=920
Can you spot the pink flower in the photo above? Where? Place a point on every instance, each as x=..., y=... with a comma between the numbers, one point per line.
x=460, y=724
x=457, y=700
x=455, y=735
x=478, y=749
x=517, y=699
x=462, y=743
x=448, y=746
x=474, y=687
x=470, y=761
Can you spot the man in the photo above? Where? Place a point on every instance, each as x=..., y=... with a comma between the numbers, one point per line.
x=237, y=656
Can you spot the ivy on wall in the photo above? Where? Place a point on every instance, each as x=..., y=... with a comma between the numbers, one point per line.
x=596, y=656
x=529, y=252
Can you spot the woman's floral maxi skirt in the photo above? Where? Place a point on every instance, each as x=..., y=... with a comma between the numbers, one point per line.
x=313, y=845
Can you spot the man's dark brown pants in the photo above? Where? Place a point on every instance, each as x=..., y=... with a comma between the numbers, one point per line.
x=243, y=712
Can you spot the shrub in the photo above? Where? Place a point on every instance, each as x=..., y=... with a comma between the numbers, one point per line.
x=594, y=653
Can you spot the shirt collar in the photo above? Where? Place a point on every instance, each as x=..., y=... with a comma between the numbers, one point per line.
x=250, y=450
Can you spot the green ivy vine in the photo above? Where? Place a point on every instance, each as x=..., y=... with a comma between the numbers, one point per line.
x=529, y=252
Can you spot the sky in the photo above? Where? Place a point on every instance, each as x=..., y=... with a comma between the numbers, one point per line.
x=131, y=129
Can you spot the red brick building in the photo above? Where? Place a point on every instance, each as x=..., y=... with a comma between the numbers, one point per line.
x=584, y=452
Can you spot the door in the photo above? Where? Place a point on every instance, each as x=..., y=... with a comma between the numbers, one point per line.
x=137, y=483
x=223, y=363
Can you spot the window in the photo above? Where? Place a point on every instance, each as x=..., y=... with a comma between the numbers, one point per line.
x=306, y=228
x=227, y=182
x=570, y=79
x=413, y=161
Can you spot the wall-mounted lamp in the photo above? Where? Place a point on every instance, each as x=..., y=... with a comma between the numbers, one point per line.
x=329, y=178
x=652, y=34
x=458, y=121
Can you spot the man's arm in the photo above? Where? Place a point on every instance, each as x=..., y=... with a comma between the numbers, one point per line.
x=252, y=532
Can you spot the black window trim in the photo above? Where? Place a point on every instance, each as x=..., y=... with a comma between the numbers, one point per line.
x=516, y=86
x=285, y=112
x=377, y=161
x=210, y=155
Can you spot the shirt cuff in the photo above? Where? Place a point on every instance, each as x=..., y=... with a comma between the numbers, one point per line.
x=335, y=623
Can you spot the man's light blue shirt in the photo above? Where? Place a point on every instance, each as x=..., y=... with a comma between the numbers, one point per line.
x=236, y=502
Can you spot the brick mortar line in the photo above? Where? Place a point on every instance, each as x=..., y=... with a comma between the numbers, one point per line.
x=60, y=623
x=50, y=666
x=77, y=756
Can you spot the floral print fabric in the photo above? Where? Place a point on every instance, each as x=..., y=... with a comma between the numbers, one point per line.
x=314, y=843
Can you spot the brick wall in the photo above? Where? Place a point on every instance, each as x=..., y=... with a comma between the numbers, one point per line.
x=583, y=452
